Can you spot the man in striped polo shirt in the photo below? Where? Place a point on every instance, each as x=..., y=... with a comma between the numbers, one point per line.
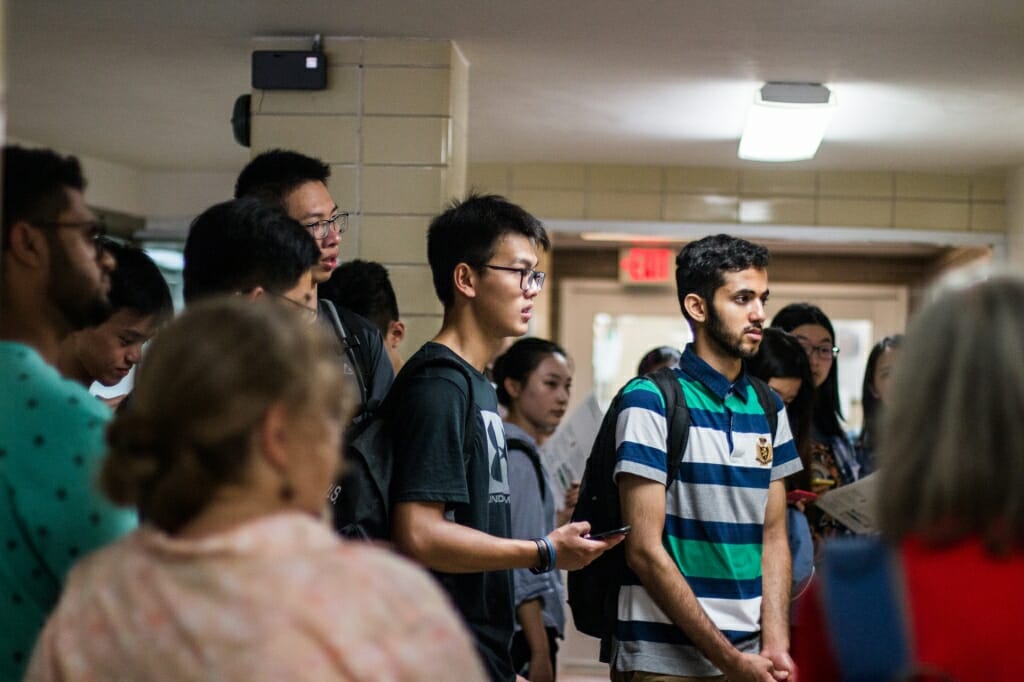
x=710, y=552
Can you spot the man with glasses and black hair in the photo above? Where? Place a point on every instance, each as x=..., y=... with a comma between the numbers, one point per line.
x=450, y=492
x=56, y=280
x=298, y=184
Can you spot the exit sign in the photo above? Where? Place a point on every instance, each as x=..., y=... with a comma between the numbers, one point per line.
x=646, y=266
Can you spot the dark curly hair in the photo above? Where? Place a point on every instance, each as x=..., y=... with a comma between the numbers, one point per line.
x=701, y=265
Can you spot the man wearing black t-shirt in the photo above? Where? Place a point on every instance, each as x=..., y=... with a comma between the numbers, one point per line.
x=450, y=494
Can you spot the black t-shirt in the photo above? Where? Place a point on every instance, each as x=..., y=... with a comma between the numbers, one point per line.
x=436, y=460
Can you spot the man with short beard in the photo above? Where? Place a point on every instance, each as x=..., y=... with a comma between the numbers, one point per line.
x=710, y=549
x=55, y=279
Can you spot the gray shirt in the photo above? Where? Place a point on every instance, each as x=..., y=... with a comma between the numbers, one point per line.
x=533, y=517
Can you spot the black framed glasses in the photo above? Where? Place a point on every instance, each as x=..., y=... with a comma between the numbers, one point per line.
x=528, y=277
x=821, y=352
x=95, y=230
x=321, y=228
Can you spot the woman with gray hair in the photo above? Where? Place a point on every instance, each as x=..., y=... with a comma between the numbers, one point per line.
x=227, y=450
x=951, y=506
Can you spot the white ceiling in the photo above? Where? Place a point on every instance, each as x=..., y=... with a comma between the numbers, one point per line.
x=932, y=85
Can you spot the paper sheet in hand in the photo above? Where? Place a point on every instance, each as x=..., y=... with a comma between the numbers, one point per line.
x=853, y=505
x=565, y=453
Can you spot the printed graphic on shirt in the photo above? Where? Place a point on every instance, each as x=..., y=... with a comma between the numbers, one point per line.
x=497, y=456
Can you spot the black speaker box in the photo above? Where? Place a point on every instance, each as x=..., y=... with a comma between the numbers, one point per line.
x=289, y=70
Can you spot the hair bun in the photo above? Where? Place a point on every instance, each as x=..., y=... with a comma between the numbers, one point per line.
x=133, y=457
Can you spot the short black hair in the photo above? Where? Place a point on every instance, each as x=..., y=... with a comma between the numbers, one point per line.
x=35, y=184
x=272, y=175
x=519, y=362
x=242, y=244
x=364, y=288
x=701, y=265
x=469, y=231
x=658, y=357
x=137, y=283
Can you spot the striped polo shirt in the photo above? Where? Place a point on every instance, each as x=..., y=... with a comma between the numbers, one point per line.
x=715, y=512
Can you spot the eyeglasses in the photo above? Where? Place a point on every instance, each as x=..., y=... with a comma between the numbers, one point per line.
x=822, y=352
x=321, y=228
x=528, y=277
x=309, y=314
x=95, y=230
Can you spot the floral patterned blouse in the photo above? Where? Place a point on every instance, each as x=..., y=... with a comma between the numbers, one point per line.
x=278, y=598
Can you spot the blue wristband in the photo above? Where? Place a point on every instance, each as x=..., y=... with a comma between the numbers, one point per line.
x=551, y=553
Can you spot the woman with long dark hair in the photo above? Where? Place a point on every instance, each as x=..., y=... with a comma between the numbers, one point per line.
x=877, y=381
x=833, y=461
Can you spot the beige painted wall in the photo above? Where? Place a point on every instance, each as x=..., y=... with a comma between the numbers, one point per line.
x=1015, y=216
x=393, y=126
x=756, y=196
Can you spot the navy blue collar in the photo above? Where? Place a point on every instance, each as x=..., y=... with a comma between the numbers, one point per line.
x=712, y=379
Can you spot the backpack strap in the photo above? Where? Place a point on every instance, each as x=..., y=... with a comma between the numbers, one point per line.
x=413, y=368
x=677, y=417
x=348, y=346
x=863, y=603
x=534, y=456
x=766, y=396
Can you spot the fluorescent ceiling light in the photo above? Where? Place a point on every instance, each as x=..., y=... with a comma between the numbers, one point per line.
x=786, y=122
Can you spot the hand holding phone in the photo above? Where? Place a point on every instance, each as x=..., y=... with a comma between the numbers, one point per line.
x=624, y=530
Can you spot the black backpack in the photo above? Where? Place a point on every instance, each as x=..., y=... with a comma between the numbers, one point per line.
x=594, y=589
x=360, y=500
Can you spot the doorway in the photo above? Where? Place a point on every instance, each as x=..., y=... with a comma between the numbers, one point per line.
x=607, y=327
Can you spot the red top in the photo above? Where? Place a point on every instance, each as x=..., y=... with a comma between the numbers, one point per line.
x=966, y=611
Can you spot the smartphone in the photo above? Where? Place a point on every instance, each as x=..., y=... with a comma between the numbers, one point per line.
x=800, y=496
x=609, y=533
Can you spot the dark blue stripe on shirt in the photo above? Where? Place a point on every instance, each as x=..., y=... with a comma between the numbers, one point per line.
x=714, y=531
x=741, y=422
x=642, y=454
x=716, y=588
x=717, y=474
x=669, y=634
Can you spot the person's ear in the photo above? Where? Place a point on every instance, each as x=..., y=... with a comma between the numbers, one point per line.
x=696, y=307
x=27, y=245
x=272, y=435
x=395, y=334
x=512, y=387
x=254, y=294
x=465, y=280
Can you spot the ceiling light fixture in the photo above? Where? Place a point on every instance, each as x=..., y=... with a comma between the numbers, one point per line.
x=786, y=122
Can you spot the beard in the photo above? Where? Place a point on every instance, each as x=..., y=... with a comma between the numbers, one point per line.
x=81, y=302
x=731, y=344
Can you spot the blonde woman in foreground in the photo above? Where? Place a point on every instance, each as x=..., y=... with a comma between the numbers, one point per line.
x=227, y=451
x=951, y=509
